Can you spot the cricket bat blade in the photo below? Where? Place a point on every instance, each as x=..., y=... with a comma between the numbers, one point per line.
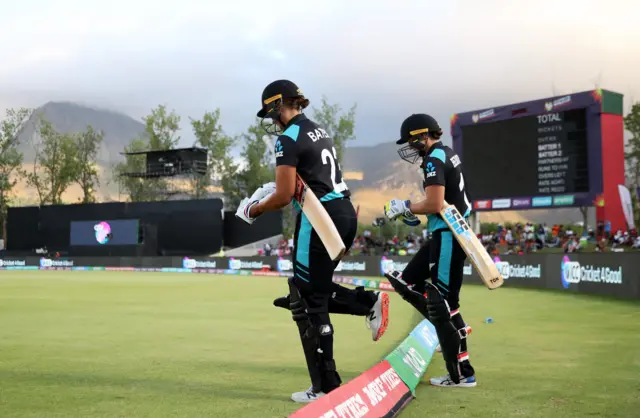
x=472, y=246
x=319, y=220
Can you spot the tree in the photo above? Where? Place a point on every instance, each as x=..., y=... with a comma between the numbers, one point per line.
x=55, y=165
x=137, y=188
x=87, y=144
x=632, y=153
x=341, y=128
x=10, y=157
x=240, y=182
x=161, y=133
x=209, y=135
x=162, y=128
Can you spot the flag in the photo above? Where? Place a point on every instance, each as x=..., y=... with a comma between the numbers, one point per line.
x=627, y=205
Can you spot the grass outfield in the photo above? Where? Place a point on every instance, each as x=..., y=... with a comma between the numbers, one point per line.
x=116, y=344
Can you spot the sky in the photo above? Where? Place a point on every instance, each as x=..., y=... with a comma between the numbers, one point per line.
x=391, y=58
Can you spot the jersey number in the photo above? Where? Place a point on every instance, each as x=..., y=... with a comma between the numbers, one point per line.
x=331, y=159
x=464, y=192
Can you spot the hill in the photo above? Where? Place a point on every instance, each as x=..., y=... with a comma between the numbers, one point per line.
x=66, y=117
x=119, y=129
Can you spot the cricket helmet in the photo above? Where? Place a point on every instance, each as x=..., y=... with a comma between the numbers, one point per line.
x=272, y=97
x=412, y=133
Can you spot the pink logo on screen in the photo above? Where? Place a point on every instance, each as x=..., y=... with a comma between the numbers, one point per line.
x=103, y=231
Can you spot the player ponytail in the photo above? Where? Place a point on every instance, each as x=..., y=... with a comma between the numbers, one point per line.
x=298, y=103
x=436, y=135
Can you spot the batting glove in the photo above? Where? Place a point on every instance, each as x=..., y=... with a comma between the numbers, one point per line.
x=396, y=208
x=410, y=219
x=263, y=192
x=244, y=209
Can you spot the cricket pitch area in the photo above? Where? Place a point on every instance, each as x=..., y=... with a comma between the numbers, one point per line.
x=129, y=344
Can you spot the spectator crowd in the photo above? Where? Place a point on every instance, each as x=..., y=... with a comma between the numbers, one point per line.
x=510, y=239
x=526, y=238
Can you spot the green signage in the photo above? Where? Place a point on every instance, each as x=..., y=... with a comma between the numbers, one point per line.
x=563, y=200
x=410, y=360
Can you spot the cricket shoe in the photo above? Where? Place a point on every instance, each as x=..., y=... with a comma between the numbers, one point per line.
x=445, y=381
x=307, y=396
x=378, y=318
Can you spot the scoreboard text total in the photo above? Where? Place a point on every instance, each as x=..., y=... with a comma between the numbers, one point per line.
x=531, y=156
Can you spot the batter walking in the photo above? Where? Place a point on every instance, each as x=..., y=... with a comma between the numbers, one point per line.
x=442, y=259
x=305, y=148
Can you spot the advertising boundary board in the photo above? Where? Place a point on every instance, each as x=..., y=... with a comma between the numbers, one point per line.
x=610, y=274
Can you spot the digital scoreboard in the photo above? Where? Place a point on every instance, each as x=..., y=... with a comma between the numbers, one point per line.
x=556, y=152
x=528, y=156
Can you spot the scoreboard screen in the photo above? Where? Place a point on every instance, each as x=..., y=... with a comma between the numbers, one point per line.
x=537, y=155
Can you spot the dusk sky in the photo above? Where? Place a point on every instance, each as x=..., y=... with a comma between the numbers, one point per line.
x=392, y=58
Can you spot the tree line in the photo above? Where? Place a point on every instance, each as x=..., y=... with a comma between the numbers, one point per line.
x=62, y=160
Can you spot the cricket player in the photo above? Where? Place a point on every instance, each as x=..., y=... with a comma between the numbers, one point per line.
x=443, y=258
x=305, y=148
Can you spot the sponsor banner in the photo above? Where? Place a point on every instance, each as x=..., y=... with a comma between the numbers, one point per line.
x=567, y=200
x=54, y=263
x=9, y=264
x=501, y=203
x=392, y=263
x=191, y=263
x=575, y=272
x=552, y=105
x=541, y=201
x=378, y=392
x=247, y=263
x=482, y=204
x=521, y=202
x=521, y=269
x=348, y=265
x=608, y=273
x=410, y=359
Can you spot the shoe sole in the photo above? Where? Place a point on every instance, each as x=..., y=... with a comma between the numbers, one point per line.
x=460, y=385
x=385, y=316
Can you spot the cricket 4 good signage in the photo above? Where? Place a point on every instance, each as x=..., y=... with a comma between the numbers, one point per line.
x=12, y=263
x=254, y=263
x=573, y=272
x=378, y=392
x=516, y=270
x=388, y=264
x=190, y=263
x=349, y=264
x=54, y=263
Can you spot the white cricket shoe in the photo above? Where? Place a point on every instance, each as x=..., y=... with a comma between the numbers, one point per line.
x=307, y=396
x=445, y=381
x=438, y=349
x=378, y=318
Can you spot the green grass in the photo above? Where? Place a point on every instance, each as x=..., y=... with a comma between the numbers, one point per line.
x=115, y=344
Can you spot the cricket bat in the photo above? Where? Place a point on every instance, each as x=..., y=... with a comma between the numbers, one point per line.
x=315, y=212
x=319, y=219
x=472, y=247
